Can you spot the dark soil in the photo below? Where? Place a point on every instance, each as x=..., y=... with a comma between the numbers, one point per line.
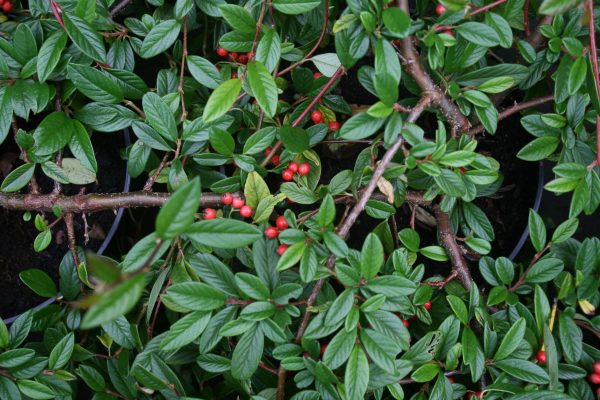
x=17, y=236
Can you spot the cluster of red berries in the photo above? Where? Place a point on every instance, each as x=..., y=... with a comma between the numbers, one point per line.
x=235, y=202
x=275, y=160
x=317, y=118
x=594, y=377
x=273, y=231
x=293, y=167
x=6, y=5
x=240, y=58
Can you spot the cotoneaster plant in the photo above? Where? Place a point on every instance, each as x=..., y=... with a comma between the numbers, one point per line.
x=325, y=190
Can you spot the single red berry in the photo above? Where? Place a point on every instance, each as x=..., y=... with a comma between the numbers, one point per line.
x=233, y=55
x=594, y=378
x=1, y=2
x=281, y=223
x=275, y=160
x=227, y=198
x=476, y=395
x=334, y=126
x=451, y=379
x=304, y=169
x=287, y=175
x=222, y=52
x=317, y=75
x=7, y=7
x=406, y=323
x=210, y=213
x=246, y=211
x=316, y=116
x=541, y=357
x=449, y=32
x=293, y=167
x=237, y=202
x=596, y=367
x=397, y=42
x=440, y=9
x=282, y=248
x=271, y=232
x=243, y=59
x=268, y=151
x=305, y=354
x=427, y=305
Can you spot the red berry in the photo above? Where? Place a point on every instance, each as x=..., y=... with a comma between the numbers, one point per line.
x=476, y=395
x=305, y=354
x=7, y=7
x=449, y=32
x=451, y=379
x=227, y=198
x=406, y=323
x=222, y=52
x=317, y=75
x=427, y=305
x=281, y=223
x=323, y=348
x=304, y=169
x=237, y=202
x=210, y=213
x=275, y=160
x=541, y=357
x=334, y=126
x=397, y=42
x=246, y=211
x=293, y=167
x=596, y=367
x=271, y=232
x=440, y=9
x=317, y=117
x=268, y=151
x=243, y=59
x=281, y=249
x=287, y=175
x=233, y=55
x=594, y=378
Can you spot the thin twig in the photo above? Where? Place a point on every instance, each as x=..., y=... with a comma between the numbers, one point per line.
x=33, y=186
x=119, y=7
x=152, y=178
x=517, y=107
x=69, y=221
x=535, y=258
x=184, y=55
x=259, y=24
x=448, y=239
x=487, y=7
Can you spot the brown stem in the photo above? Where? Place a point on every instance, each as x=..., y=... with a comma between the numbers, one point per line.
x=94, y=202
x=588, y=327
x=184, y=54
x=592, y=29
x=316, y=46
x=535, y=258
x=135, y=108
x=152, y=178
x=488, y=7
x=337, y=75
x=448, y=239
x=259, y=24
x=526, y=18
x=412, y=63
x=119, y=7
x=72, y=239
x=514, y=109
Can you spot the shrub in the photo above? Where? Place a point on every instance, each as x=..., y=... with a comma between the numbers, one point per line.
x=328, y=183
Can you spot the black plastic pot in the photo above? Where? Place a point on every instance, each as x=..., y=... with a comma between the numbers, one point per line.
x=105, y=242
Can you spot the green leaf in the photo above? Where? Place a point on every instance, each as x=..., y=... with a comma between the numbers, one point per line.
x=185, y=330
x=478, y=33
x=177, y=214
x=95, y=84
x=268, y=50
x=356, y=376
x=159, y=116
x=577, y=75
x=397, y=22
x=371, y=256
x=255, y=189
x=554, y=7
x=477, y=98
x=81, y=147
x=502, y=28
x=497, y=85
x=85, y=37
x=53, y=133
x=196, y=296
x=238, y=18
x=224, y=233
x=61, y=353
x=326, y=63
x=160, y=38
x=339, y=348
x=34, y=389
x=221, y=141
x=425, y=372
x=18, y=178
x=247, y=354
x=263, y=87
x=49, y=54
x=294, y=7
x=459, y=308
x=294, y=139
x=380, y=348
x=436, y=253
x=291, y=256
x=115, y=302
x=221, y=100
x=392, y=285
x=15, y=357
x=39, y=281
x=132, y=86
x=538, y=149
x=544, y=270
x=537, y=230
x=326, y=213
x=76, y=172
x=511, y=341
x=260, y=140
x=571, y=338
x=182, y=7
x=565, y=230
x=360, y=126
x=204, y=71
x=523, y=370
